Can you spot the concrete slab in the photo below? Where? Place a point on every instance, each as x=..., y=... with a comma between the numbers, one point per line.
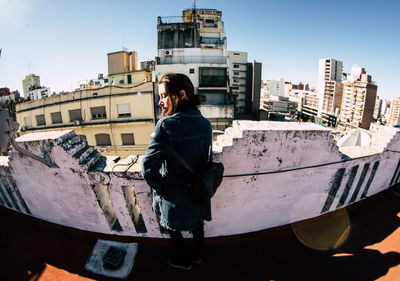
x=95, y=263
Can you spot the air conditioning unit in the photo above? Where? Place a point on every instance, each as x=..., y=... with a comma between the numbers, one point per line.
x=77, y=122
x=168, y=53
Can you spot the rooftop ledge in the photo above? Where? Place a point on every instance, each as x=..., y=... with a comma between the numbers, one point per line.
x=276, y=173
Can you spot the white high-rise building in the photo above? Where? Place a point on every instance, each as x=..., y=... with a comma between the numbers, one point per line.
x=329, y=86
x=277, y=88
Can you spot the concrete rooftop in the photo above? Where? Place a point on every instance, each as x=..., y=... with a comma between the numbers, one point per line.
x=32, y=249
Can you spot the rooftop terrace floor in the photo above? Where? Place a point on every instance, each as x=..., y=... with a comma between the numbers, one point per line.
x=32, y=249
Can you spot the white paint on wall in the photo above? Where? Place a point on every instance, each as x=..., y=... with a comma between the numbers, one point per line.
x=243, y=203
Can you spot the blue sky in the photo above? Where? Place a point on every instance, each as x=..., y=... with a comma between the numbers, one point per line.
x=66, y=42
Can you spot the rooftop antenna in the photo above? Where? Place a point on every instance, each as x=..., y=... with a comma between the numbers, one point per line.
x=123, y=44
x=194, y=11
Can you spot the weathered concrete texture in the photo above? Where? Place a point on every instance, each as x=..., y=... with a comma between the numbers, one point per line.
x=265, y=146
x=267, y=183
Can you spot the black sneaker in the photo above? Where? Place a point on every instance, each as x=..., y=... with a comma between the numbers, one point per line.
x=179, y=262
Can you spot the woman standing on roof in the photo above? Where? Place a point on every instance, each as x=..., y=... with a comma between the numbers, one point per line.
x=185, y=132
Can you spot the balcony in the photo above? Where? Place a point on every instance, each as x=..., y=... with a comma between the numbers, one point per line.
x=192, y=59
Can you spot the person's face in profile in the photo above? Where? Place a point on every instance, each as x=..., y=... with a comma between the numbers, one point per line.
x=164, y=102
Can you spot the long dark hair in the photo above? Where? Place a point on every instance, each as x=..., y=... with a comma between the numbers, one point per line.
x=174, y=83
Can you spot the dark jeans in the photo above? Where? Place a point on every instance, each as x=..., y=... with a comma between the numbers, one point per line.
x=198, y=241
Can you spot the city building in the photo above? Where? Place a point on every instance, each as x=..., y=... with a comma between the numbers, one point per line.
x=149, y=65
x=279, y=104
x=4, y=92
x=329, y=86
x=385, y=111
x=30, y=81
x=196, y=45
x=359, y=97
x=237, y=73
x=121, y=62
x=7, y=97
x=277, y=88
x=100, y=82
x=117, y=120
x=38, y=93
x=122, y=69
x=394, y=117
x=378, y=108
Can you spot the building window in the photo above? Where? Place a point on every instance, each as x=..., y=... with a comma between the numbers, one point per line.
x=98, y=112
x=75, y=115
x=127, y=139
x=129, y=79
x=124, y=110
x=191, y=70
x=40, y=120
x=212, y=77
x=103, y=140
x=83, y=137
x=56, y=117
x=235, y=66
x=235, y=73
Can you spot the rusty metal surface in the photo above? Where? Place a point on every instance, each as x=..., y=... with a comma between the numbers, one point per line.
x=368, y=248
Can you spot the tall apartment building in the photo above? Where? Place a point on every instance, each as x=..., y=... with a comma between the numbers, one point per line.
x=30, y=80
x=196, y=46
x=359, y=97
x=394, y=117
x=253, y=94
x=237, y=72
x=244, y=84
x=329, y=86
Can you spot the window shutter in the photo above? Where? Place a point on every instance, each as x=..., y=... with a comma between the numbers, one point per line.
x=124, y=110
x=103, y=139
x=127, y=139
x=98, y=112
x=75, y=115
x=40, y=120
x=56, y=117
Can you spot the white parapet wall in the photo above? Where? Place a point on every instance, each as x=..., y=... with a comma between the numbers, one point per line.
x=276, y=173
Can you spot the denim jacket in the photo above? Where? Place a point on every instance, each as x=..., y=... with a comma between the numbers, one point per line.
x=189, y=134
